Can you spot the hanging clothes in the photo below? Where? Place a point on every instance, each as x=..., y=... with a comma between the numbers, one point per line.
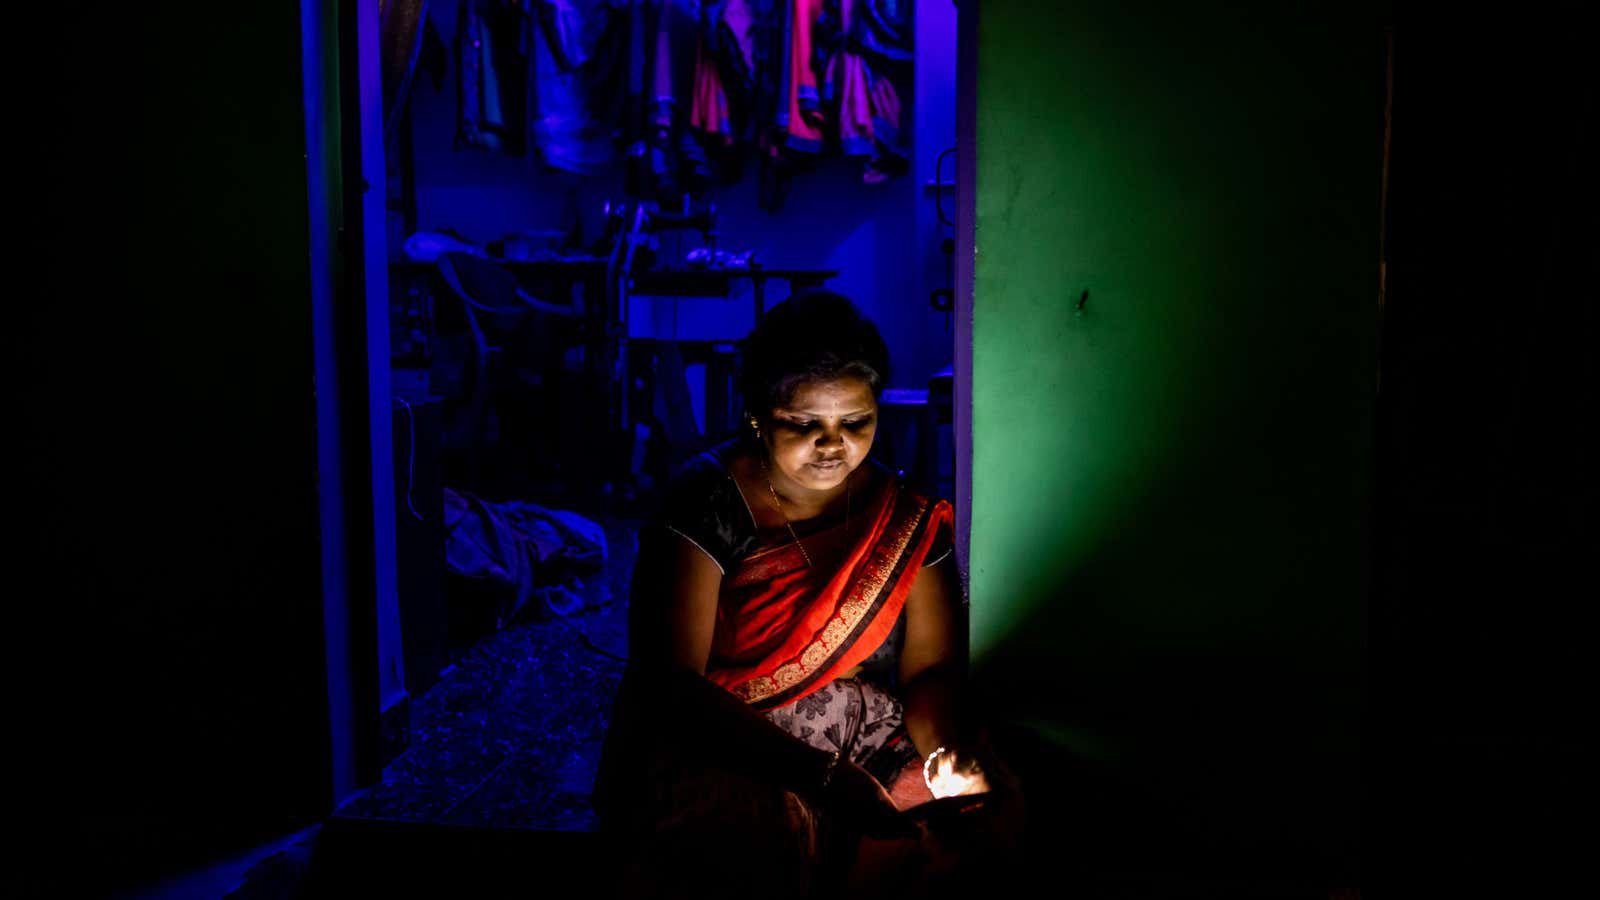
x=802, y=119
x=491, y=59
x=868, y=106
x=884, y=29
x=677, y=161
x=687, y=89
x=732, y=38
x=725, y=71
x=576, y=79
x=710, y=115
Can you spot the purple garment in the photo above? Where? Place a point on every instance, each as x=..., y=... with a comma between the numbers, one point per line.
x=576, y=81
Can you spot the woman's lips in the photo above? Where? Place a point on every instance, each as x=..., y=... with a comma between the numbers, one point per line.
x=827, y=466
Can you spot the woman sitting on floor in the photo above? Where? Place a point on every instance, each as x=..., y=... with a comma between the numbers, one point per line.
x=797, y=642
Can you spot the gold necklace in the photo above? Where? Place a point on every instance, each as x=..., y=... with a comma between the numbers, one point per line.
x=786, y=523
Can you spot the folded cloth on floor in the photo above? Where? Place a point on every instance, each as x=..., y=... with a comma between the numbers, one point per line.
x=525, y=549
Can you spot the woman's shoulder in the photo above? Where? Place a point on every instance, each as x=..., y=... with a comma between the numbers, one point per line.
x=703, y=504
x=706, y=476
x=939, y=512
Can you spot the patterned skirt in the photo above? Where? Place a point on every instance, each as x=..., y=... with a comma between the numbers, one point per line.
x=720, y=834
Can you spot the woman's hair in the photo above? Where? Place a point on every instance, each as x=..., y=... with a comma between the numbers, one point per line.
x=815, y=336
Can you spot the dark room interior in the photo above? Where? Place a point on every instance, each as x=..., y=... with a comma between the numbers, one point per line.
x=1244, y=344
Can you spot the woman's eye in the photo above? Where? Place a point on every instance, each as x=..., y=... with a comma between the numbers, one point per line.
x=808, y=424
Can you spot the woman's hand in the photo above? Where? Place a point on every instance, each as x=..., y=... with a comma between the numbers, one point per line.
x=855, y=794
x=1000, y=777
x=950, y=773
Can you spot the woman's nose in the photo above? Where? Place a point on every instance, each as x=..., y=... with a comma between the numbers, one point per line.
x=828, y=437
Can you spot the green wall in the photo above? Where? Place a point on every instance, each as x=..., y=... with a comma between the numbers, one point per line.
x=1170, y=486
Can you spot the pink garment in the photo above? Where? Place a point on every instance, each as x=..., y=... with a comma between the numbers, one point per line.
x=869, y=107
x=710, y=111
x=805, y=116
x=849, y=83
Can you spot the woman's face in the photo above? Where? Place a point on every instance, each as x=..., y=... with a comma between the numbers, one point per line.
x=823, y=433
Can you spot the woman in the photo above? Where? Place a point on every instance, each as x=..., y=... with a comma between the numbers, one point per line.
x=797, y=638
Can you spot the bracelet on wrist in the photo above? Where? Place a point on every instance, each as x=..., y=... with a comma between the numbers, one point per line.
x=927, y=767
x=948, y=773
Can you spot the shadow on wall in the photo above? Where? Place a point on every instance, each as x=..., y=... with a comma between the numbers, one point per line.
x=1165, y=715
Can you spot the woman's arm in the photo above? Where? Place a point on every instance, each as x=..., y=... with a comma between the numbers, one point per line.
x=672, y=618
x=671, y=621
x=933, y=662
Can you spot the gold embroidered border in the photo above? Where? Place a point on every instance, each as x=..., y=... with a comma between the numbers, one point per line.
x=755, y=689
x=875, y=572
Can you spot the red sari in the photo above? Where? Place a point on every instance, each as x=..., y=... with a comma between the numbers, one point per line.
x=784, y=631
x=785, y=628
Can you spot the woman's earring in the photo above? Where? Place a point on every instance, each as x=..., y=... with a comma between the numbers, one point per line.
x=755, y=426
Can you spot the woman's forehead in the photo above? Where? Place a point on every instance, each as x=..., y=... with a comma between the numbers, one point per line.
x=835, y=396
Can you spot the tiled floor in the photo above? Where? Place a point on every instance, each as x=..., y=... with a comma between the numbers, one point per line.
x=511, y=736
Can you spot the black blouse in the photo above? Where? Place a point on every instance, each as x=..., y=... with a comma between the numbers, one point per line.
x=704, y=506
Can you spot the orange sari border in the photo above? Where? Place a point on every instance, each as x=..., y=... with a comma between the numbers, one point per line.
x=872, y=588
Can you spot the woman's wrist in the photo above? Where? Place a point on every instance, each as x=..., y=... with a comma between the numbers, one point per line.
x=947, y=772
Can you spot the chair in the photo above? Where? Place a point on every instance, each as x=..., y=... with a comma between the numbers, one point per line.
x=513, y=341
